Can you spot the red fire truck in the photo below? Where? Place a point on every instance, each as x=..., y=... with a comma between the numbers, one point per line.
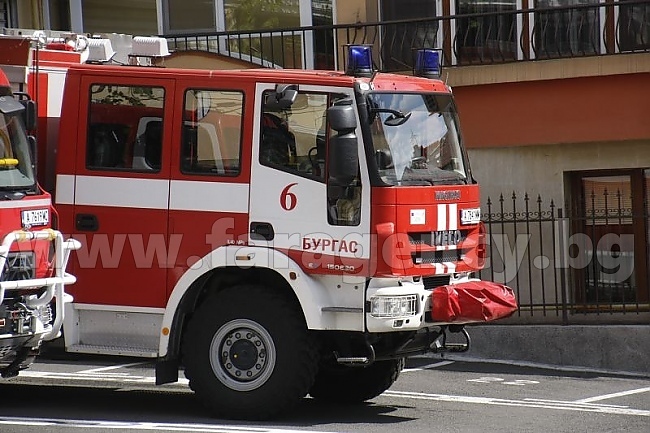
x=33, y=254
x=274, y=233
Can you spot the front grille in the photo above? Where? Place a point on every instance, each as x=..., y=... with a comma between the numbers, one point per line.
x=19, y=266
x=428, y=257
x=435, y=281
x=442, y=238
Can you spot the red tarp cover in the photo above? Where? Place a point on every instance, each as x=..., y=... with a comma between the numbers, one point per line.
x=472, y=301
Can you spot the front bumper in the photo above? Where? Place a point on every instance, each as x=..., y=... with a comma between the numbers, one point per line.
x=408, y=306
x=53, y=288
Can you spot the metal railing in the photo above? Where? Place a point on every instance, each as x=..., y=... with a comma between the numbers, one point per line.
x=570, y=266
x=493, y=37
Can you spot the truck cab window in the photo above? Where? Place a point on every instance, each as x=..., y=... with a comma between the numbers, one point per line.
x=15, y=161
x=211, y=137
x=148, y=146
x=294, y=139
x=344, y=205
x=125, y=128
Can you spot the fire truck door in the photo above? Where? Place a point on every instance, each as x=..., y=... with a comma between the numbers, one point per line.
x=121, y=196
x=289, y=204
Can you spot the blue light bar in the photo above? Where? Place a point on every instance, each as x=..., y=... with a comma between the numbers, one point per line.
x=427, y=63
x=359, y=60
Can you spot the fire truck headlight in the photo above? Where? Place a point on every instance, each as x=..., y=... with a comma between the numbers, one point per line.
x=393, y=306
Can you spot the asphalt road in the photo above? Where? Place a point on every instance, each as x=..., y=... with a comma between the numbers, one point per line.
x=100, y=394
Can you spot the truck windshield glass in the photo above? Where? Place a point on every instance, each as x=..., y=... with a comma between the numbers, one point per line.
x=15, y=161
x=415, y=139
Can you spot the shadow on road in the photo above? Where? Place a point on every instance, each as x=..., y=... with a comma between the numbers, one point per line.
x=487, y=367
x=125, y=404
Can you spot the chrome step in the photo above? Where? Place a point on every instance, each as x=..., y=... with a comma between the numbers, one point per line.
x=141, y=352
x=353, y=360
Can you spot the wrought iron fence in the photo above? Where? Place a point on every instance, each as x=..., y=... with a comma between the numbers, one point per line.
x=570, y=266
x=499, y=36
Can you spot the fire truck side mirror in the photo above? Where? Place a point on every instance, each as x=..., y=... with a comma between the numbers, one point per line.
x=29, y=115
x=22, y=105
x=32, y=148
x=343, y=151
x=341, y=117
x=282, y=98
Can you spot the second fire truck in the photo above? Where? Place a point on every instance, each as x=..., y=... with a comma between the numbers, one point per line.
x=274, y=233
x=33, y=253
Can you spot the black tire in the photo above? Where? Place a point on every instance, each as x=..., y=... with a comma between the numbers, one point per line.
x=348, y=385
x=271, y=362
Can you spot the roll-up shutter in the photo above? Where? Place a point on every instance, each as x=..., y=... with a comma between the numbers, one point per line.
x=4, y=14
x=133, y=17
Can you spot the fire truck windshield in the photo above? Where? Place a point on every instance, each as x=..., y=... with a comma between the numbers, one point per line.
x=416, y=140
x=16, y=173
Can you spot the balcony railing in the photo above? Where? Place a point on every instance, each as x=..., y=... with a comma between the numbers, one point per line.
x=478, y=38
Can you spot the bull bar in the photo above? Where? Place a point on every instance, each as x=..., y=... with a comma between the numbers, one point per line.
x=55, y=285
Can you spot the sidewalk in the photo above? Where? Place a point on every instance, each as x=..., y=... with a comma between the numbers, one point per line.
x=606, y=348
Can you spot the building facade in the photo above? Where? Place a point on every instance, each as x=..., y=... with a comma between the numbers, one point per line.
x=553, y=98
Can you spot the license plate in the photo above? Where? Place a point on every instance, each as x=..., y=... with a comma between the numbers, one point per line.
x=470, y=216
x=35, y=217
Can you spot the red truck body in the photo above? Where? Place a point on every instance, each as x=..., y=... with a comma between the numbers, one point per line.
x=276, y=233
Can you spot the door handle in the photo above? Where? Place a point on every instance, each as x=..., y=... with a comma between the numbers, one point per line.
x=261, y=231
x=86, y=222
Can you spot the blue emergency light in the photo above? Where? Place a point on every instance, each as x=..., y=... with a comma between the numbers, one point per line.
x=359, y=61
x=427, y=63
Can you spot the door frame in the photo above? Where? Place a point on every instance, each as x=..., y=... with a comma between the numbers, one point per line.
x=578, y=223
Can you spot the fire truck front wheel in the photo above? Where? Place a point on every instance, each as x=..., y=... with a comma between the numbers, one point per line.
x=247, y=353
x=343, y=384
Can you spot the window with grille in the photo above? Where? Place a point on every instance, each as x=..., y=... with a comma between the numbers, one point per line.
x=608, y=200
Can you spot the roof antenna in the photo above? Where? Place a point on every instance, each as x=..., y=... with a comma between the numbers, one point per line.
x=374, y=74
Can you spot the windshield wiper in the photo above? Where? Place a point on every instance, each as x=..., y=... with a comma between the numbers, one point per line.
x=436, y=180
x=12, y=195
x=396, y=117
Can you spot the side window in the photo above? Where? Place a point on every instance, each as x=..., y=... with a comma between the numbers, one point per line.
x=146, y=153
x=212, y=125
x=294, y=139
x=125, y=127
x=344, y=205
x=344, y=200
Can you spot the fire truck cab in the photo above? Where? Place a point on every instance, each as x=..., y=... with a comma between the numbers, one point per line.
x=274, y=233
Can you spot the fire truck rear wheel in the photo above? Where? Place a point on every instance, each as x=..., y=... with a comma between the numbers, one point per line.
x=345, y=385
x=247, y=353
